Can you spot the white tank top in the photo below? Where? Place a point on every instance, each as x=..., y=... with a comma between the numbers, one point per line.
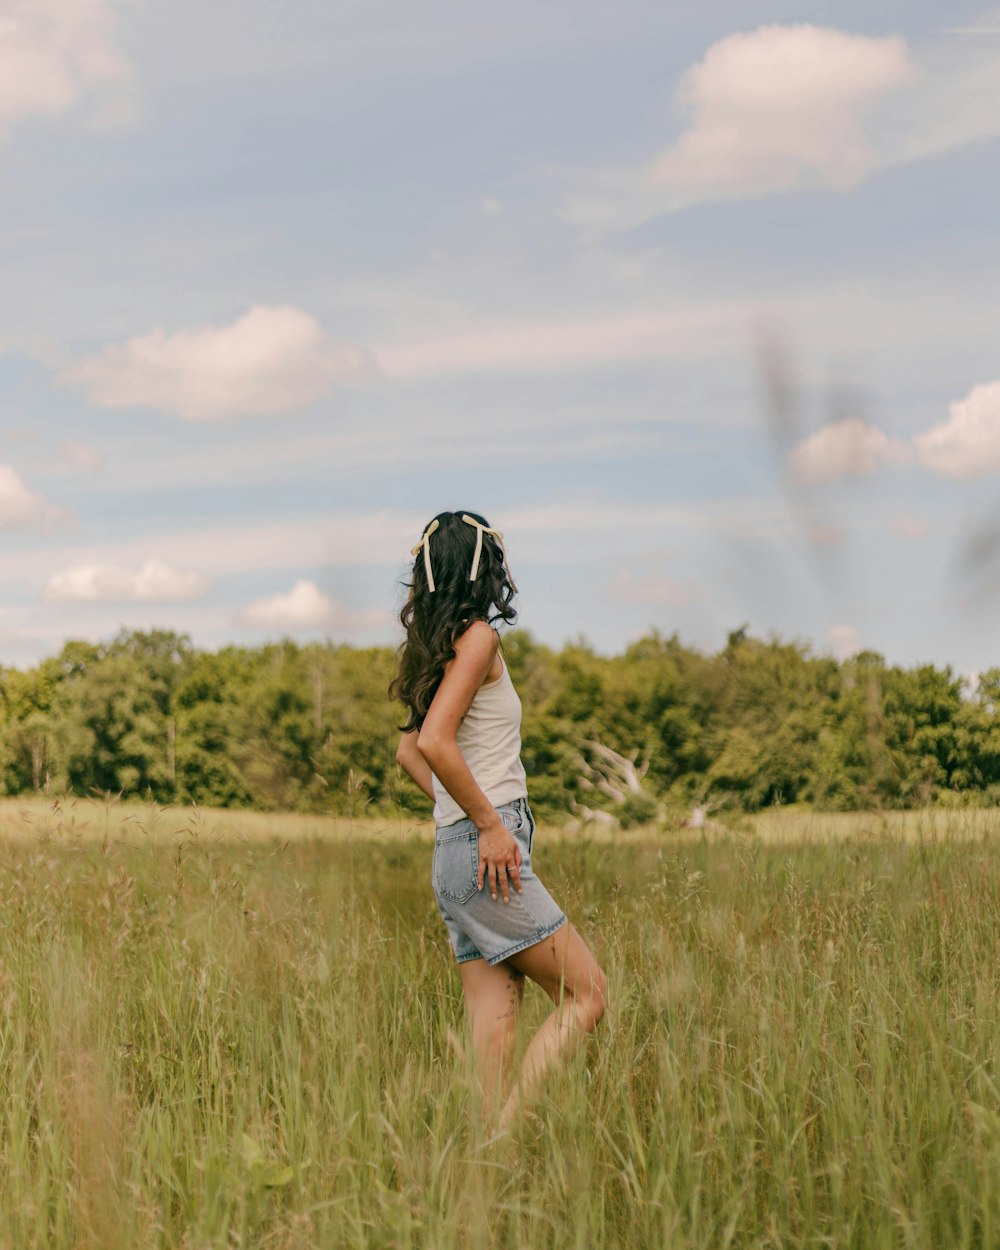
x=490, y=741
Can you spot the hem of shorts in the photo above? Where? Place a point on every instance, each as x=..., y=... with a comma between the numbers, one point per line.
x=464, y=959
x=540, y=936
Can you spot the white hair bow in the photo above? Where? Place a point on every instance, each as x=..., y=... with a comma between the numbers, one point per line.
x=425, y=542
x=482, y=529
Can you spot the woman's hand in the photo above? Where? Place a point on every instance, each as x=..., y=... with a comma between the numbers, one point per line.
x=499, y=855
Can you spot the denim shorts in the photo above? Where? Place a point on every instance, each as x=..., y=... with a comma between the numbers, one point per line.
x=479, y=926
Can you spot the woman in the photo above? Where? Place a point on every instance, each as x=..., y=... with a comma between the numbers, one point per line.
x=461, y=744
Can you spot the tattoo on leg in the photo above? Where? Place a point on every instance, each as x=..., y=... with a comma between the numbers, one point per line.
x=515, y=992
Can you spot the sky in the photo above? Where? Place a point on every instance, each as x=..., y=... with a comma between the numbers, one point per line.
x=697, y=304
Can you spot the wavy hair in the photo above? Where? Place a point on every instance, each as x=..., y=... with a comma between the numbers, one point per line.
x=434, y=620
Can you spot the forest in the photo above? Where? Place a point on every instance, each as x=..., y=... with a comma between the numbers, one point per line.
x=662, y=727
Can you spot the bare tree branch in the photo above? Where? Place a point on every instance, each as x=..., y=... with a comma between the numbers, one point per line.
x=617, y=774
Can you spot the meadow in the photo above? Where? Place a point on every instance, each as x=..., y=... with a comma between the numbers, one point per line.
x=227, y=1029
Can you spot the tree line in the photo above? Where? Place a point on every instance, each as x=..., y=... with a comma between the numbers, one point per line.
x=660, y=726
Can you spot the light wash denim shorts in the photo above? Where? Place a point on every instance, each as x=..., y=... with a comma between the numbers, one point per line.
x=479, y=926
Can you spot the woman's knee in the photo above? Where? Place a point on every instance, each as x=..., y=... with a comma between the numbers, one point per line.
x=587, y=997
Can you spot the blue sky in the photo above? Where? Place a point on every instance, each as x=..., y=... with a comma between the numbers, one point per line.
x=698, y=307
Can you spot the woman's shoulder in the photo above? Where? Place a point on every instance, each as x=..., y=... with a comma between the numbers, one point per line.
x=478, y=635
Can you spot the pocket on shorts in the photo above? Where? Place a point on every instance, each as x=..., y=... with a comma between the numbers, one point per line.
x=512, y=816
x=456, y=867
x=518, y=820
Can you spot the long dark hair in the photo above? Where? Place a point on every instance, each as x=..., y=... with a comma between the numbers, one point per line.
x=433, y=620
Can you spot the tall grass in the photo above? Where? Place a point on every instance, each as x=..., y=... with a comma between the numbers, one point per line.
x=207, y=1041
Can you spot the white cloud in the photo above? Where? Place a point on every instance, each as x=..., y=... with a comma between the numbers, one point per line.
x=305, y=606
x=780, y=107
x=847, y=446
x=653, y=334
x=968, y=443
x=569, y=533
x=629, y=587
x=81, y=456
x=19, y=506
x=774, y=109
x=154, y=581
x=844, y=640
x=271, y=360
x=247, y=545
x=792, y=107
x=907, y=526
x=60, y=55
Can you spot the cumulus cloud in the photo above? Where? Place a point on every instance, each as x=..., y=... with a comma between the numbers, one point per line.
x=844, y=640
x=844, y=447
x=305, y=606
x=154, y=581
x=790, y=107
x=19, y=506
x=968, y=443
x=774, y=109
x=780, y=107
x=271, y=360
x=61, y=55
x=965, y=445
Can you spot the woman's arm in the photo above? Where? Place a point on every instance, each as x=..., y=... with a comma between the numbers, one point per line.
x=408, y=757
x=463, y=675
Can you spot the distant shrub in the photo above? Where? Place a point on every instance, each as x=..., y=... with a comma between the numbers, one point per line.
x=636, y=809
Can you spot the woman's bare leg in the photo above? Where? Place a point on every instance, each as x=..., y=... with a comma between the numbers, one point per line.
x=493, y=997
x=564, y=967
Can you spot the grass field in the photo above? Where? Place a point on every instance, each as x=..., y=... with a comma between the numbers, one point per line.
x=245, y=1030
